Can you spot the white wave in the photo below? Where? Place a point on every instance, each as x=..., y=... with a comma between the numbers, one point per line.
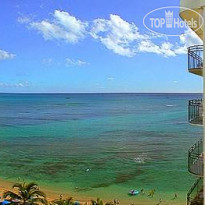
x=142, y=158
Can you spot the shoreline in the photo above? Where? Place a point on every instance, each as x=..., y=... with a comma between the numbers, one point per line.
x=83, y=199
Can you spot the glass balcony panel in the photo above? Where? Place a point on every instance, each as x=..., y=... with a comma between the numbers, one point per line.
x=195, y=111
x=195, y=59
x=195, y=194
x=195, y=159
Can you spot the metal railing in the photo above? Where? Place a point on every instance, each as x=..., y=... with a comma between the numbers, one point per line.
x=195, y=194
x=195, y=159
x=195, y=57
x=195, y=111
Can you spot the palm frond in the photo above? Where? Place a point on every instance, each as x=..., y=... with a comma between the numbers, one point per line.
x=39, y=201
x=57, y=201
x=99, y=201
x=93, y=202
x=110, y=203
x=31, y=186
x=19, y=186
x=69, y=199
x=37, y=193
x=11, y=194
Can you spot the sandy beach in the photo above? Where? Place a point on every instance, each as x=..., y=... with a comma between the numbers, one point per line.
x=54, y=194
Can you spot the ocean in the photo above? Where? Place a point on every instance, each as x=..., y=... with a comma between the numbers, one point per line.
x=102, y=145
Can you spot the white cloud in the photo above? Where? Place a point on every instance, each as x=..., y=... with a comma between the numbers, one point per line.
x=63, y=26
x=166, y=49
x=6, y=55
x=23, y=19
x=116, y=34
x=110, y=78
x=125, y=39
x=190, y=38
x=70, y=62
x=21, y=84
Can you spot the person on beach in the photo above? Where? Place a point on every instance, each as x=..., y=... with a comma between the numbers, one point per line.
x=175, y=196
x=142, y=191
x=160, y=201
x=152, y=192
x=116, y=202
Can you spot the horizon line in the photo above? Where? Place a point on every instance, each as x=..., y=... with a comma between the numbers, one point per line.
x=101, y=92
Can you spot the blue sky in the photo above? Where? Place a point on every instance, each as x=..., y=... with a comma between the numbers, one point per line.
x=90, y=46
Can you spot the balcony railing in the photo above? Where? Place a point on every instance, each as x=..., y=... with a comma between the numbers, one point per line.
x=195, y=195
x=195, y=111
x=195, y=59
x=195, y=159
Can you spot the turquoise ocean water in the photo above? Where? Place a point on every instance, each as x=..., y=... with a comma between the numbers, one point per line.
x=98, y=144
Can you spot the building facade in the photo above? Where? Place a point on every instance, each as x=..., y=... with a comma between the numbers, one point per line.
x=195, y=195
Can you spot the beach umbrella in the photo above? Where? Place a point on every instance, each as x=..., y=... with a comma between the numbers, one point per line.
x=5, y=202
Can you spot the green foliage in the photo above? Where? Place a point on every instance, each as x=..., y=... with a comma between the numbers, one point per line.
x=110, y=203
x=30, y=194
x=97, y=202
x=68, y=201
x=26, y=194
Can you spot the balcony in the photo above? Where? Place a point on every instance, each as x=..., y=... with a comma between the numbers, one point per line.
x=195, y=112
x=195, y=159
x=190, y=9
x=195, y=59
x=195, y=195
